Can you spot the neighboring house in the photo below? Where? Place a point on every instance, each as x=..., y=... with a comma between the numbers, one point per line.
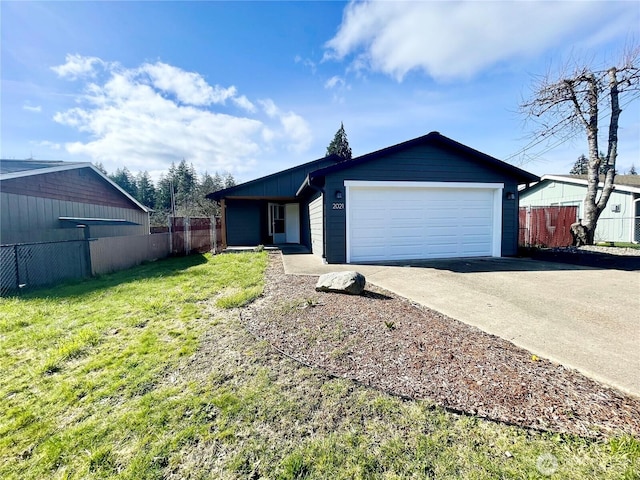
x=44, y=201
x=429, y=197
x=619, y=222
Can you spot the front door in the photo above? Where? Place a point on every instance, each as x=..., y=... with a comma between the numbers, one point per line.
x=276, y=223
x=284, y=222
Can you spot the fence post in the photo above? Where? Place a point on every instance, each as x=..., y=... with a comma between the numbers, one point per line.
x=170, y=235
x=212, y=234
x=528, y=226
x=187, y=236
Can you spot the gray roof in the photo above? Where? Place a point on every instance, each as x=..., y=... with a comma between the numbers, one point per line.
x=14, y=166
x=628, y=180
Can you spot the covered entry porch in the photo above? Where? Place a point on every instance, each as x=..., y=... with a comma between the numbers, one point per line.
x=263, y=221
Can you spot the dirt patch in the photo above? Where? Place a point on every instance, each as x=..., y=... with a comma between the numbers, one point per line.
x=390, y=343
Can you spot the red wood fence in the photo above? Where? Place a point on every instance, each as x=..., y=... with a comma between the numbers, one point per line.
x=546, y=226
x=195, y=235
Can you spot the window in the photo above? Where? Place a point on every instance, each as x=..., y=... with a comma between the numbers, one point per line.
x=276, y=219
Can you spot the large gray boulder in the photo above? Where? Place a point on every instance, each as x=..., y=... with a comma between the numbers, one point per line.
x=343, y=282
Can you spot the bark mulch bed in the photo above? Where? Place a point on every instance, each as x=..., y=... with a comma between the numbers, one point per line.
x=387, y=342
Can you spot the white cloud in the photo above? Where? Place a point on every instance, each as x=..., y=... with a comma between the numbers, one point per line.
x=333, y=82
x=310, y=64
x=32, y=108
x=269, y=107
x=295, y=129
x=244, y=102
x=152, y=115
x=188, y=87
x=458, y=40
x=77, y=66
x=50, y=145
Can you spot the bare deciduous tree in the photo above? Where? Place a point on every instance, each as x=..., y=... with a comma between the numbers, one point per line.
x=574, y=102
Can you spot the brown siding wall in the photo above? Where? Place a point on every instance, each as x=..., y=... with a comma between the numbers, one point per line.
x=81, y=185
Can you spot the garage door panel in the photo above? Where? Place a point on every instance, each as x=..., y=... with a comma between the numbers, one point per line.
x=412, y=223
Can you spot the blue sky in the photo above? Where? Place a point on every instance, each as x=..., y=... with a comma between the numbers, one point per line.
x=255, y=87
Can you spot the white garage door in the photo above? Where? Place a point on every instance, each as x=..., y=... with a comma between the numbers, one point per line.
x=415, y=220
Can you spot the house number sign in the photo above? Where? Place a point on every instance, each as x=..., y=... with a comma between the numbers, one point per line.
x=338, y=206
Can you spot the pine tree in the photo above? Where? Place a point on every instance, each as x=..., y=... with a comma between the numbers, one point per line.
x=340, y=145
x=124, y=178
x=145, y=189
x=100, y=167
x=581, y=167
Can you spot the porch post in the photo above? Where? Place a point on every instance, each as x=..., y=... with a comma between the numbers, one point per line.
x=223, y=223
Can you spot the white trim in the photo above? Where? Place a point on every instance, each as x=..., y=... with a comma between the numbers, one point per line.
x=347, y=199
x=633, y=219
x=580, y=181
x=497, y=222
x=497, y=188
x=367, y=183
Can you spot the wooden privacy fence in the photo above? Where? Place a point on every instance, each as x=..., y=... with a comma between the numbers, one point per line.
x=195, y=234
x=546, y=226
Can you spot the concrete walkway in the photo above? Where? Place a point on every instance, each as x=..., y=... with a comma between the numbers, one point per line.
x=583, y=318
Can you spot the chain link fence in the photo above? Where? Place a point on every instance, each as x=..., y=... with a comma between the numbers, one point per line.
x=30, y=265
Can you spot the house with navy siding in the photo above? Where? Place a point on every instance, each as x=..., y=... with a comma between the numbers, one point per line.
x=430, y=197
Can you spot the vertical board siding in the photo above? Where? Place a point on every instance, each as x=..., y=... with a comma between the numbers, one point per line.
x=118, y=253
x=316, y=225
x=35, y=219
x=282, y=184
x=243, y=222
x=422, y=163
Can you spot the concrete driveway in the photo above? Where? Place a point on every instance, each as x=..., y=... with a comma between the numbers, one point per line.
x=583, y=318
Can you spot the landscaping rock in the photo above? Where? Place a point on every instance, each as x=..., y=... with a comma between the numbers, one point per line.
x=343, y=282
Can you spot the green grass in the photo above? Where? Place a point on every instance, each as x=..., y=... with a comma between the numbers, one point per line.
x=620, y=244
x=143, y=374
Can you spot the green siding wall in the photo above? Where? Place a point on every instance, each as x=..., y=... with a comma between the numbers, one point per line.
x=612, y=226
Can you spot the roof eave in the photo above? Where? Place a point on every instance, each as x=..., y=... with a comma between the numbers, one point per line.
x=584, y=182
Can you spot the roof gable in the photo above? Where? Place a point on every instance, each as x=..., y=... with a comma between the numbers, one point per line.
x=621, y=183
x=433, y=139
x=21, y=169
x=280, y=184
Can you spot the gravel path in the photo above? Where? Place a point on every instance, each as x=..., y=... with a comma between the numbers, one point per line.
x=389, y=343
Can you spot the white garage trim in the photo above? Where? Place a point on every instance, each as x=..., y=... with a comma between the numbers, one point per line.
x=496, y=189
x=367, y=183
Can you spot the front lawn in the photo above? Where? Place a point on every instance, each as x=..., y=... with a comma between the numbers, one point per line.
x=148, y=373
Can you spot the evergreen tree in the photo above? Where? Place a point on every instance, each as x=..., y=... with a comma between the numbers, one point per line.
x=164, y=189
x=581, y=167
x=207, y=185
x=124, y=178
x=185, y=183
x=100, y=167
x=229, y=181
x=145, y=189
x=340, y=145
